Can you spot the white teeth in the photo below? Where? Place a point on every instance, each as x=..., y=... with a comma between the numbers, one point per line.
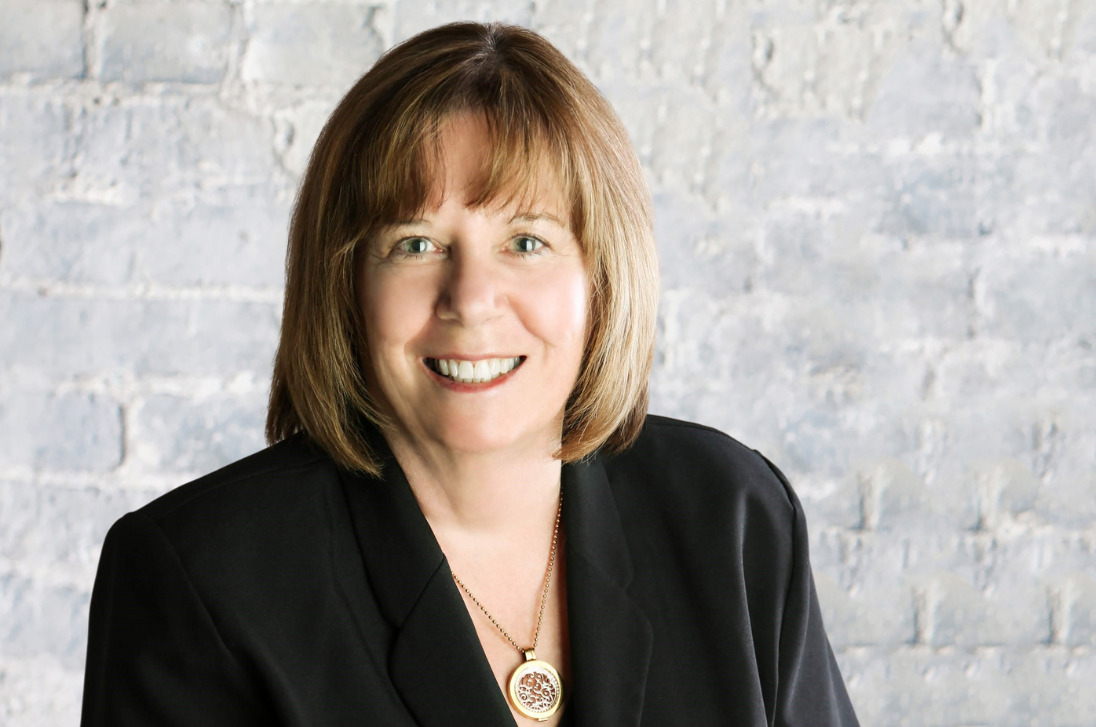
x=481, y=371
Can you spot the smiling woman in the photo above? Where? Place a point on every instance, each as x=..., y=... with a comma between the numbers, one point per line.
x=534, y=133
x=482, y=286
x=466, y=515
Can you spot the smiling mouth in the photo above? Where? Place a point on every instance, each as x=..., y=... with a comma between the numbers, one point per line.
x=474, y=372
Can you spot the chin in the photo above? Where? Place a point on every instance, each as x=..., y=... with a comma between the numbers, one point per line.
x=479, y=436
x=490, y=442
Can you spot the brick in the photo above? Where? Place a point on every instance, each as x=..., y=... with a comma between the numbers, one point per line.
x=1069, y=368
x=866, y=597
x=795, y=385
x=60, y=431
x=1010, y=112
x=198, y=435
x=894, y=496
x=677, y=161
x=213, y=243
x=1051, y=133
x=815, y=440
x=1068, y=459
x=985, y=433
x=853, y=558
x=934, y=196
x=44, y=39
x=917, y=687
x=998, y=607
x=1084, y=34
x=700, y=251
x=314, y=44
x=1063, y=106
x=36, y=145
x=924, y=94
x=880, y=616
x=828, y=501
x=567, y=30
x=818, y=158
x=126, y=152
x=1045, y=26
x=72, y=241
x=680, y=49
x=1074, y=599
x=134, y=151
x=298, y=127
x=30, y=613
x=946, y=501
x=415, y=17
x=1007, y=489
x=38, y=690
x=1038, y=297
x=185, y=42
x=1069, y=697
x=59, y=524
x=239, y=240
x=1025, y=201
x=871, y=283
x=978, y=368
x=87, y=336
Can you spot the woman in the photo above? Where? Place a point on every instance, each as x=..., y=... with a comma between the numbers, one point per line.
x=467, y=518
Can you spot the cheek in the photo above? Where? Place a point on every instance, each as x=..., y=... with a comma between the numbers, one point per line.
x=560, y=311
x=392, y=308
x=390, y=317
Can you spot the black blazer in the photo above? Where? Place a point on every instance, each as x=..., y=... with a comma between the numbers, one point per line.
x=282, y=590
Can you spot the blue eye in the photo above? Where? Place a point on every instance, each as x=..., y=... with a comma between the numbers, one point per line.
x=414, y=246
x=526, y=244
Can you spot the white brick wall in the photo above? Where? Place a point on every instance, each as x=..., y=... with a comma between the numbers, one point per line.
x=877, y=225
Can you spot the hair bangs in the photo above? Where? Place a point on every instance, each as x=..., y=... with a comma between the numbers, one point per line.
x=525, y=158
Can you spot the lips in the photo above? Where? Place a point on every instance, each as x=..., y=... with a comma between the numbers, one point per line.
x=474, y=372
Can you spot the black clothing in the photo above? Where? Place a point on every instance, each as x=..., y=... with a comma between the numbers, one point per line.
x=284, y=591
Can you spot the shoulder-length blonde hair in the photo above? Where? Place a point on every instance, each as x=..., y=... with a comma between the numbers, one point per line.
x=372, y=166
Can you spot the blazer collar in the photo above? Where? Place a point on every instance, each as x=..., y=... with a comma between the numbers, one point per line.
x=436, y=662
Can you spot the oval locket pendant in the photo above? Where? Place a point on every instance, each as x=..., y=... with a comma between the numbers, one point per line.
x=536, y=691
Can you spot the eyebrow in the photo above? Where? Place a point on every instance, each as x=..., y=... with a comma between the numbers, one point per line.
x=520, y=217
x=534, y=216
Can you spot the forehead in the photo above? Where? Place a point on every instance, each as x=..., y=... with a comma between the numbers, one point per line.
x=481, y=166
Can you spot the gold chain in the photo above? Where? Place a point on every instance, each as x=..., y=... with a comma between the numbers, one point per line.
x=543, y=595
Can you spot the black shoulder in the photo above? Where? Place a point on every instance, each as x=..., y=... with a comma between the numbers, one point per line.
x=691, y=435
x=286, y=488
x=675, y=463
x=263, y=472
x=675, y=444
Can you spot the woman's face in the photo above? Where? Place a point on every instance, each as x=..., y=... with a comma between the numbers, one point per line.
x=499, y=294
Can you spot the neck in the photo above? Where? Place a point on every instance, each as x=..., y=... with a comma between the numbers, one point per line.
x=495, y=494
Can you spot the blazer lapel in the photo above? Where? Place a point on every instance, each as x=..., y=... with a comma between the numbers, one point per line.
x=611, y=638
x=439, y=669
x=436, y=662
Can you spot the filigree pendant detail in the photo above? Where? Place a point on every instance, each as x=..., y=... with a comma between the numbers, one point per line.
x=536, y=691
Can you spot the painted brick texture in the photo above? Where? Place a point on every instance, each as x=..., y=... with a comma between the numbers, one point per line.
x=877, y=229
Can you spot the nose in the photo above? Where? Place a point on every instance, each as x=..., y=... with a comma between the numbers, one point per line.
x=471, y=289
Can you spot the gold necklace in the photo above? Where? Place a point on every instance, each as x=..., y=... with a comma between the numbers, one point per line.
x=536, y=690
